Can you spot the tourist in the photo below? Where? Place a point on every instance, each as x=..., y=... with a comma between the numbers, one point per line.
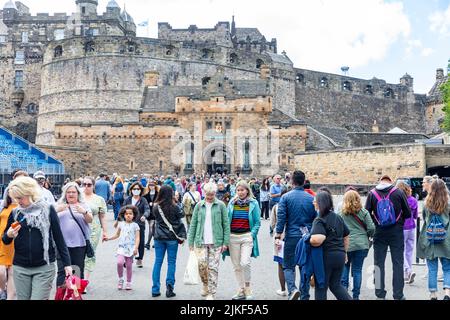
x=179, y=188
x=15, y=174
x=308, y=188
x=295, y=213
x=190, y=200
x=128, y=233
x=169, y=233
x=255, y=186
x=361, y=226
x=209, y=236
x=151, y=194
x=273, y=223
x=275, y=191
x=98, y=226
x=169, y=182
x=264, y=197
x=34, y=240
x=222, y=193
x=232, y=187
x=118, y=195
x=244, y=216
x=388, y=233
x=330, y=232
x=75, y=216
x=136, y=199
x=7, y=289
x=102, y=188
x=409, y=232
x=434, y=242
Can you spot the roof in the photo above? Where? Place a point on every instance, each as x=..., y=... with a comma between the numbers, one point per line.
x=279, y=58
x=279, y=117
x=435, y=94
x=339, y=135
x=252, y=33
x=112, y=4
x=162, y=99
x=126, y=17
x=10, y=5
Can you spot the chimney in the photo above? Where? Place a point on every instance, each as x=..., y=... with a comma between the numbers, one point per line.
x=439, y=74
x=375, y=128
x=265, y=72
x=151, y=78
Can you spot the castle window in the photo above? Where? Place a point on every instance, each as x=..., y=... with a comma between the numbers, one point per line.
x=189, y=155
x=347, y=86
x=259, y=63
x=205, y=81
x=131, y=47
x=32, y=108
x=131, y=166
x=299, y=78
x=368, y=90
x=122, y=49
x=59, y=34
x=228, y=125
x=246, y=155
x=2, y=39
x=25, y=37
x=233, y=58
x=20, y=57
x=323, y=82
x=42, y=31
x=95, y=32
x=58, y=51
x=18, y=80
x=208, y=125
x=89, y=47
x=388, y=93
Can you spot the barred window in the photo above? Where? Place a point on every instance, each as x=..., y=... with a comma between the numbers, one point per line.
x=18, y=81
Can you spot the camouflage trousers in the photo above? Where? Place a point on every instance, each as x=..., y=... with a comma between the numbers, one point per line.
x=208, y=265
x=96, y=231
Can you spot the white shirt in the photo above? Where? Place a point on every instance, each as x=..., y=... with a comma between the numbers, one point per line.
x=134, y=201
x=47, y=196
x=207, y=231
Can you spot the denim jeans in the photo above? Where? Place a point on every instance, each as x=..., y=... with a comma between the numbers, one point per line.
x=433, y=273
x=289, y=268
x=116, y=207
x=161, y=246
x=355, y=262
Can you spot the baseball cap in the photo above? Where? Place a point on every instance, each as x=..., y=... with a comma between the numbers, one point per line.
x=39, y=175
x=386, y=177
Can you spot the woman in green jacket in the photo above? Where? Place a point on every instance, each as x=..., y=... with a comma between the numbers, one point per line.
x=209, y=236
x=244, y=216
x=361, y=227
x=437, y=207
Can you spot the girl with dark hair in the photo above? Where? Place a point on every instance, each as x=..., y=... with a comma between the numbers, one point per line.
x=136, y=199
x=264, y=197
x=330, y=232
x=169, y=232
x=151, y=196
x=7, y=289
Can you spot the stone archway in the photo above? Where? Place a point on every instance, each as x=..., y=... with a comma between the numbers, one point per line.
x=217, y=158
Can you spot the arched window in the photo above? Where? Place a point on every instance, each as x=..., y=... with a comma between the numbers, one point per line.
x=299, y=78
x=346, y=86
x=89, y=47
x=207, y=54
x=388, y=93
x=205, y=81
x=58, y=51
x=368, y=89
x=246, y=155
x=259, y=63
x=324, y=82
x=131, y=47
x=233, y=58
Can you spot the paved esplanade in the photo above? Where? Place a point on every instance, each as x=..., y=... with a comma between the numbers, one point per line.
x=264, y=275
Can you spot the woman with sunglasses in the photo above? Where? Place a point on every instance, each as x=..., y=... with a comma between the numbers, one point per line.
x=150, y=196
x=136, y=199
x=98, y=226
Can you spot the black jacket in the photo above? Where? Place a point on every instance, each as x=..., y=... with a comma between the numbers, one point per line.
x=162, y=231
x=151, y=199
x=398, y=199
x=29, y=250
x=143, y=208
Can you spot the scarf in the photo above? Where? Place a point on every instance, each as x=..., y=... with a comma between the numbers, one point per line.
x=37, y=216
x=242, y=203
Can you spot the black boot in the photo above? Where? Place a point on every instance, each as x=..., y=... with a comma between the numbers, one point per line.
x=169, y=292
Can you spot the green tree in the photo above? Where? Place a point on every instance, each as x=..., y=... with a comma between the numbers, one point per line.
x=445, y=89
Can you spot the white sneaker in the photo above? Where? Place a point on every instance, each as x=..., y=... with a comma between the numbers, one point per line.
x=204, y=291
x=210, y=297
x=282, y=293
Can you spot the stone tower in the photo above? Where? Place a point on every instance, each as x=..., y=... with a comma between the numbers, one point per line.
x=113, y=8
x=10, y=11
x=87, y=7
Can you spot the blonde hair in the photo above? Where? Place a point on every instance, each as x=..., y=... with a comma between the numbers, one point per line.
x=430, y=179
x=245, y=185
x=67, y=187
x=437, y=200
x=405, y=188
x=352, y=203
x=210, y=187
x=24, y=187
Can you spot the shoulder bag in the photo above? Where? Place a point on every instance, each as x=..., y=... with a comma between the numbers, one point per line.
x=90, y=253
x=169, y=225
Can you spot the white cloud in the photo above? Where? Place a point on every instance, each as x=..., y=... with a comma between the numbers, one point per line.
x=440, y=22
x=416, y=46
x=426, y=52
x=316, y=34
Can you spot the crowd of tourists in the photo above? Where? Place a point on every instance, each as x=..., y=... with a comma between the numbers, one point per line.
x=320, y=243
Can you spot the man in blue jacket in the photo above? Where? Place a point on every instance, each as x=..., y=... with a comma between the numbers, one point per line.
x=295, y=212
x=103, y=188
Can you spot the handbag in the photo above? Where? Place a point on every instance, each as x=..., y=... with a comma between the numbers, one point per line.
x=191, y=274
x=90, y=252
x=192, y=204
x=179, y=239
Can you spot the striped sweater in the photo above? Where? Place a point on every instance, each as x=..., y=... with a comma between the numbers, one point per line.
x=240, y=222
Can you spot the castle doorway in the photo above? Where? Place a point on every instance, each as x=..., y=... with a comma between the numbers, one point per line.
x=217, y=159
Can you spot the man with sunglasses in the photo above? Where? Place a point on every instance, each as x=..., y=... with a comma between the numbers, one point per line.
x=46, y=194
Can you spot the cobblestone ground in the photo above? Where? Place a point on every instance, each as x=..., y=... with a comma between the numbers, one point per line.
x=264, y=272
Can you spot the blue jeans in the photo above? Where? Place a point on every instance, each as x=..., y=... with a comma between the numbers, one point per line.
x=355, y=261
x=161, y=246
x=289, y=268
x=116, y=207
x=433, y=273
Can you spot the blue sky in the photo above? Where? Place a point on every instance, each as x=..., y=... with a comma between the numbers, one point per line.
x=375, y=38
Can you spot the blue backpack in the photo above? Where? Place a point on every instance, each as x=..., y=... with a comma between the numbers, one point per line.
x=385, y=216
x=436, y=230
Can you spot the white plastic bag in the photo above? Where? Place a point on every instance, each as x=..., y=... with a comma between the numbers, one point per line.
x=191, y=274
